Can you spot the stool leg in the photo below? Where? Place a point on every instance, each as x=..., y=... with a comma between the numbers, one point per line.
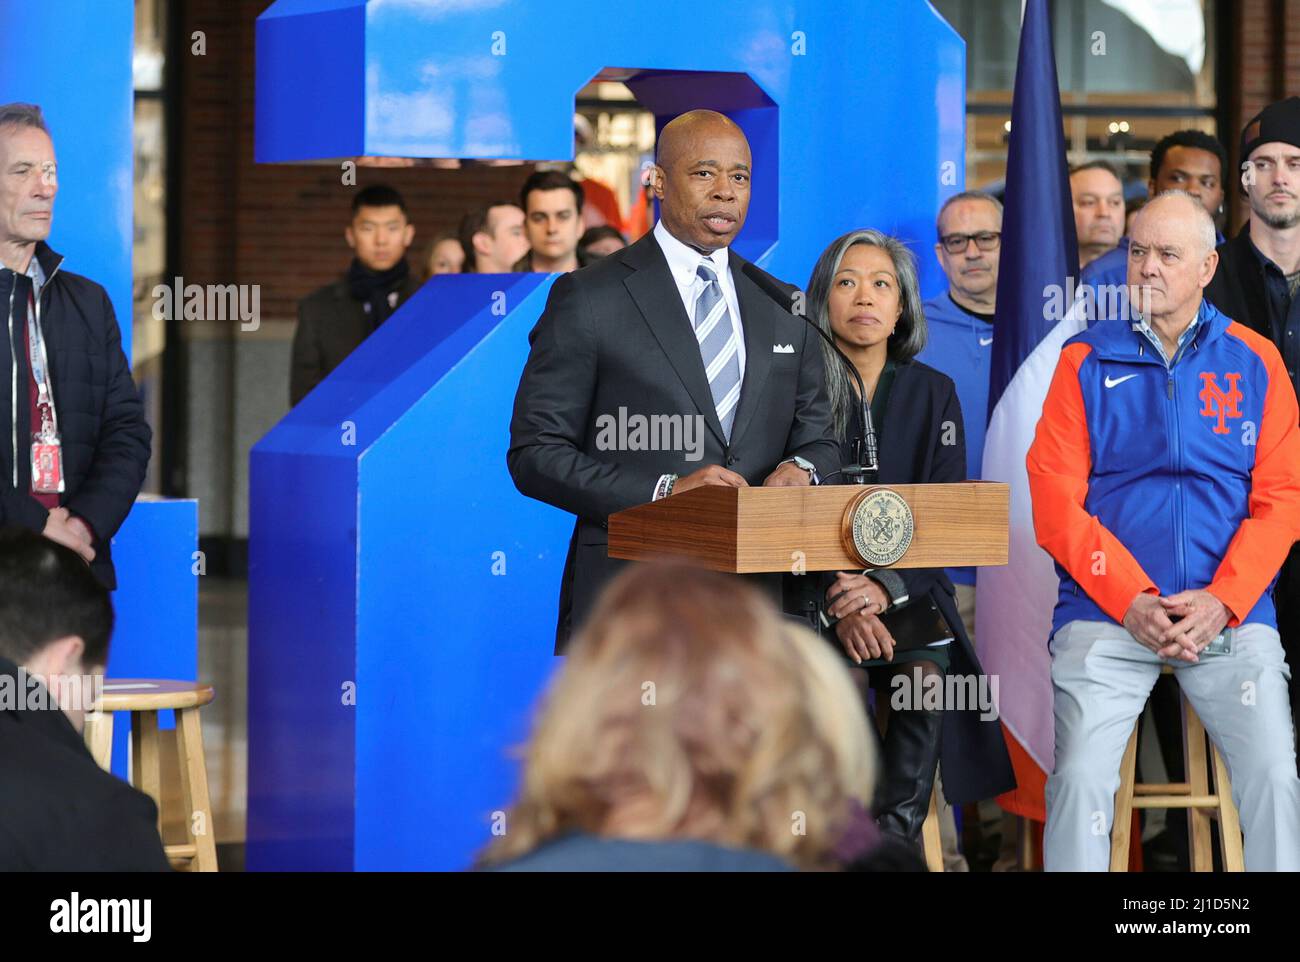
x=194, y=789
x=1121, y=825
x=1025, y=843
x=930, y=834
x=1198, y=782
x=1229, y=825
x=99, y=738
x=146, y=765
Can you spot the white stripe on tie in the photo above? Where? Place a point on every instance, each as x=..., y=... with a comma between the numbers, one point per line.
x=719, y=347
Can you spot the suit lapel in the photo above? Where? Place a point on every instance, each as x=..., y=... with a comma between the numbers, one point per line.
x=654, y=291
x=759, y=326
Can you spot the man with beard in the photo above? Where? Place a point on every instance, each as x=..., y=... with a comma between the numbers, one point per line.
x=1257, y=282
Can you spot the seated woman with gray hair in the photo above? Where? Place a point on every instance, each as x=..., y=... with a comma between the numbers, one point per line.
x=864, y=294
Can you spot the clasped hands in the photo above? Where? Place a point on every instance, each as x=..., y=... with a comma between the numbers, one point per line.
x=1201, y=616
x=70, y=531
x=860, y=601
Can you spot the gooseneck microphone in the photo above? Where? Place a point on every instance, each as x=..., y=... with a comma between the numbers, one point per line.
x=789, y=298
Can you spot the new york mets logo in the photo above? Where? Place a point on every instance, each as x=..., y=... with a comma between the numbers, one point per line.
x=1218, y=404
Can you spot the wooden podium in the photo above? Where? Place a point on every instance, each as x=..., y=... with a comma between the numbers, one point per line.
x=745, y=530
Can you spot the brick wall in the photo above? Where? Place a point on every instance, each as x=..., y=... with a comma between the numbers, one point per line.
x=1266, y=49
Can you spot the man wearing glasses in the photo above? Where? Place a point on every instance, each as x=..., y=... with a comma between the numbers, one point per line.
x=961, y=335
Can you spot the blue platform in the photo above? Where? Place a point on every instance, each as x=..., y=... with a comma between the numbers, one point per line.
x=402, y=593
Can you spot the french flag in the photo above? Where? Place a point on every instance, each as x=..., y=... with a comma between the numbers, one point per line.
x=1033, y=320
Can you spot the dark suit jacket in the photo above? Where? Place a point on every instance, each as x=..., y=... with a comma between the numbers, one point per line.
x=59, y=811
x=614, y=336
x=331, y=324
x=912, y=450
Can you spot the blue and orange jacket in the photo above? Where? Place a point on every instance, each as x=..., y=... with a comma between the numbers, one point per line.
x=1147, y=477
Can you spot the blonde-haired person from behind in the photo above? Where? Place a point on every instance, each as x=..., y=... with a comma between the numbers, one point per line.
x=692, y=728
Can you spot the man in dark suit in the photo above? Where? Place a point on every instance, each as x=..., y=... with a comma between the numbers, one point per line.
x=59, y=811
x=334, y=320
x=669, y=329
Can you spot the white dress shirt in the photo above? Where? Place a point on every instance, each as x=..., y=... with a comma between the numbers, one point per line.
x=683, y=263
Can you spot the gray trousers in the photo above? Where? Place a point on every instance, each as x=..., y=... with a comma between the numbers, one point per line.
x=1101, y=677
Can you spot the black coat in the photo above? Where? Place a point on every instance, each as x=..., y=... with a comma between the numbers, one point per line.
x=911, y=450
x=1237, y=288
x=614, y=336
x=105, y=437
x=331, y=325
x=59, y=811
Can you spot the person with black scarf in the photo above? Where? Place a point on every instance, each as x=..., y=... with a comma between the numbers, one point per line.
x=335, y=319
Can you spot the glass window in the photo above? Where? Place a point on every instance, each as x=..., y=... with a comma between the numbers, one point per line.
x=1130, y=72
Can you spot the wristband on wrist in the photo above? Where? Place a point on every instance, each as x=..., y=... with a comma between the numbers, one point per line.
x=665, y=486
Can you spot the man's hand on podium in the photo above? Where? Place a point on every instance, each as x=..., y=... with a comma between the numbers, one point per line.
x=713, y=474
x=788, y=475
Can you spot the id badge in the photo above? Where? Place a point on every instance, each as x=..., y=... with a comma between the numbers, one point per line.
x=47, y=465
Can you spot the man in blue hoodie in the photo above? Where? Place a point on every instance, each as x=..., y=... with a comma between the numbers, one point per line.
x=961, y=332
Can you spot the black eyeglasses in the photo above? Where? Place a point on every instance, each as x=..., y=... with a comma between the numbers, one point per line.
x=985, y=240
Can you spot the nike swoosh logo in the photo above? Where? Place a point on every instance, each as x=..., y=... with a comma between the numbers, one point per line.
x=985, y=341
x=1112, y=381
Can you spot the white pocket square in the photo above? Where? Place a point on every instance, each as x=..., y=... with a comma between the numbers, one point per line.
x=782, y=348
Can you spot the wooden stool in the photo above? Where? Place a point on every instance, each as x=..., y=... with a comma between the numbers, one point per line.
x=144, y=698
x=1193, y=795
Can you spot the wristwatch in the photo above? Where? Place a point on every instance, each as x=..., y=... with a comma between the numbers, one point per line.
x=804, y=463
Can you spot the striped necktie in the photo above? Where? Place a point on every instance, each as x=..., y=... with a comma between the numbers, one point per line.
x=719, y=347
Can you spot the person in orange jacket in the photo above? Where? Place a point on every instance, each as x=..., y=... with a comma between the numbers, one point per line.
x=1165, y=477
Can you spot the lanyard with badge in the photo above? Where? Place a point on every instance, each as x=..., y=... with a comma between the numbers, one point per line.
x=47, y=447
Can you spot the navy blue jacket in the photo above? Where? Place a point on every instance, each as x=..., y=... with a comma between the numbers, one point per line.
x=105, y=438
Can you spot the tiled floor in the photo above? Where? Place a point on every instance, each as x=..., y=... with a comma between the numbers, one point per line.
x=223, y=663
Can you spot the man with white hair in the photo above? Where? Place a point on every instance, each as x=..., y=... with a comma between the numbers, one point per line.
x=77, y=445
x=1164, y=485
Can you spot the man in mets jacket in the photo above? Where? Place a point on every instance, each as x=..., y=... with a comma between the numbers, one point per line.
x=1165, y=483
